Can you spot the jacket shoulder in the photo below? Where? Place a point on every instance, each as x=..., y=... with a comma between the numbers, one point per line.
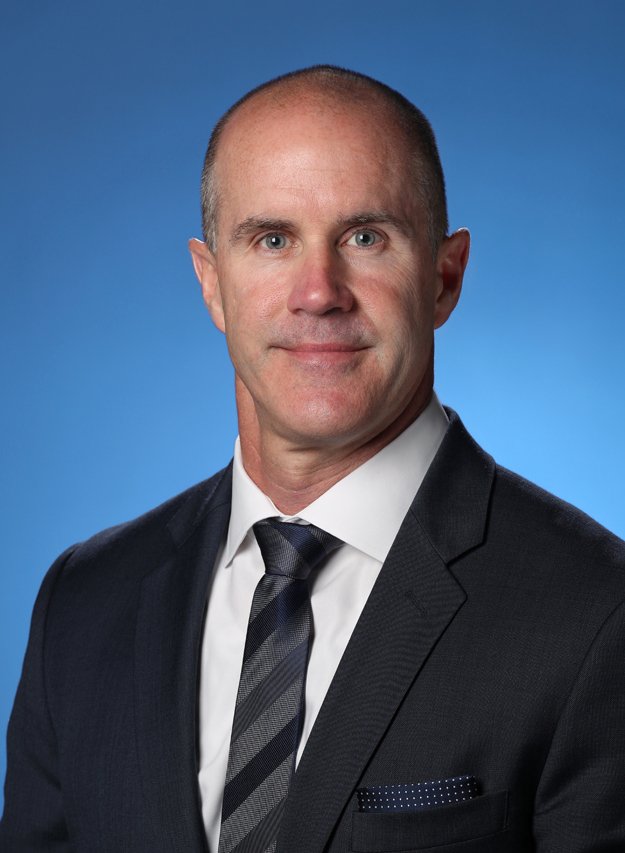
x=522, y=505
x=552, y=544
x=132, y=547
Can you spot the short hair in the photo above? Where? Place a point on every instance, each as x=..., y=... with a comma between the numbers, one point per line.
x=348, y=85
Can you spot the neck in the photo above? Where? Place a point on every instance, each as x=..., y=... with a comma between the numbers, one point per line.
x=293, y=474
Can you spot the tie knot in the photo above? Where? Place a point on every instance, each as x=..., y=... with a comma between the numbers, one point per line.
x=293, y=550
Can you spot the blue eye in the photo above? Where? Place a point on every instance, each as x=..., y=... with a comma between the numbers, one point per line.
x=364, y=239
x=274, y=241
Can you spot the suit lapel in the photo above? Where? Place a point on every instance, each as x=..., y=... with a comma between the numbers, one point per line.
x=412, y=603
x=168, y=640
x=400, y=624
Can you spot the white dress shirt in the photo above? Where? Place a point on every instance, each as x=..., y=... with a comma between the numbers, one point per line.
x=365, y=511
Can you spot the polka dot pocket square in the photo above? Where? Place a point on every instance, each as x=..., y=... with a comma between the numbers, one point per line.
x=416, y=796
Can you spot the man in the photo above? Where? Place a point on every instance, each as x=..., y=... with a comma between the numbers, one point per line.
x=434, y=644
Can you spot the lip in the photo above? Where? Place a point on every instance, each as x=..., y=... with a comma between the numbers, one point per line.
x=325, y=347
x=323, y=353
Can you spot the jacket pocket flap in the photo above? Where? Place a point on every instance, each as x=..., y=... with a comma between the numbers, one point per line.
x=383, y=833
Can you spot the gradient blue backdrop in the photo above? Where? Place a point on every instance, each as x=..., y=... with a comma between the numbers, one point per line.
x=116, y=389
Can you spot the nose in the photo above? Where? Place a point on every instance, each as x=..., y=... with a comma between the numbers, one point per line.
x=319, y=284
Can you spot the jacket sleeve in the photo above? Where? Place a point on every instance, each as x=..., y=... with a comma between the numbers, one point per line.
x=33, y=818
x=580, y=803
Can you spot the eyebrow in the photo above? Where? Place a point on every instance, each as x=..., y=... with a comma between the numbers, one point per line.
x=253, y=224
x=259, y=223
x=369, y=217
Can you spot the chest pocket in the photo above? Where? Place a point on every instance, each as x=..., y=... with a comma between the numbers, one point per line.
x=419, y=830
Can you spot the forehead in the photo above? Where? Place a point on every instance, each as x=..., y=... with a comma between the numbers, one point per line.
x=315, y=145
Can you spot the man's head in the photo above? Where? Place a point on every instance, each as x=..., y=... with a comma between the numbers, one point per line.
x=348, y=87
x=330, y=267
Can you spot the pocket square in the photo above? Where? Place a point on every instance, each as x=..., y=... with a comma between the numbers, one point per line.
x=415, y=796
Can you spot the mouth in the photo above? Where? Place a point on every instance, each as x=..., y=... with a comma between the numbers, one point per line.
x=323, y=354
x=327, y=346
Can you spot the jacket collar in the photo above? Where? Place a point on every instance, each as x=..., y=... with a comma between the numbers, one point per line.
x=452, y=504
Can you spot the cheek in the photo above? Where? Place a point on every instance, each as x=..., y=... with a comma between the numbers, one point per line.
x=402, y=311
x=251, y=299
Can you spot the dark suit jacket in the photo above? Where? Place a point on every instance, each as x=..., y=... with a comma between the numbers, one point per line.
x=493, y=644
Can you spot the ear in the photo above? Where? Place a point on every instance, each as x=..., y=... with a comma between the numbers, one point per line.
x=451, y=262
x=205, y=265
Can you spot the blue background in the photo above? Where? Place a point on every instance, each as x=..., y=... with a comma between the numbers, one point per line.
x=117, y=391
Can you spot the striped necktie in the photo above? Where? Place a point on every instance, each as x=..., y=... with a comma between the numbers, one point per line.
x=269, y=709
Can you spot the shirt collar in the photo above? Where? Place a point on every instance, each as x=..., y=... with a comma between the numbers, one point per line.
x=356, y=509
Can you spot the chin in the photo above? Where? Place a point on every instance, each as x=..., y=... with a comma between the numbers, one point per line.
x=325, y=425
